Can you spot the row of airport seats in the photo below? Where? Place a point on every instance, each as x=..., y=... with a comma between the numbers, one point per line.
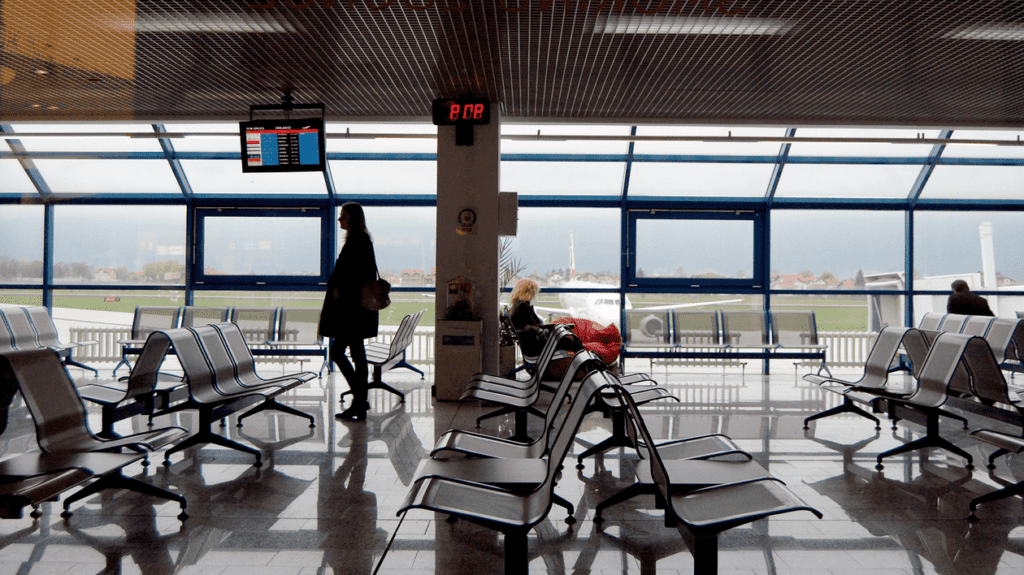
x=958, y=365
x=721, y=334
x=220, y=380
x=509, y=484
x=31, y=327
x=278, y=331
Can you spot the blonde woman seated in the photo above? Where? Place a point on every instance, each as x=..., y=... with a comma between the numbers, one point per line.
x=532, y=331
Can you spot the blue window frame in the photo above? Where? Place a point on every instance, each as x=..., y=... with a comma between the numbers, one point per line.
x=238, y=248
x=695, y=250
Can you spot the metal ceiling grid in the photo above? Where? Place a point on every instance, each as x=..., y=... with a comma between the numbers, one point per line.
x=781, y=62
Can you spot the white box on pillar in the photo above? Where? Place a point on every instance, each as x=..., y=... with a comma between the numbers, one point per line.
x=459, y=343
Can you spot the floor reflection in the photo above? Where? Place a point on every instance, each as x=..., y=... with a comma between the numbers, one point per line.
x=325, y=500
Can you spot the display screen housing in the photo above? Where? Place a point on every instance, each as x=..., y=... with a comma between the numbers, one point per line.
x=282, y=145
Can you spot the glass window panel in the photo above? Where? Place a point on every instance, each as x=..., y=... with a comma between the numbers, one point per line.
x=382, y=145
x=21, y=297
x=226, y=177
x=846, y=181
x=948, y=245
x=13, y=179
x=709, y=148
x=566, y=146
x=834, y=315
x=562, y=178
x=975, y=183
x=384, y=177
x=699, y=179
x=119, y=244
x=404, y=243
x=229, y=142
x=278, y=246
x=830, y=249
x=542, y=245
x=870, y=150
x=113, y=307
x=88, y=144
x=984, y=151
x=109, y=176
x=21, y=244
x=714, y=248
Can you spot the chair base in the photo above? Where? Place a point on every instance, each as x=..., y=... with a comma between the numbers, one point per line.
x=272, y=404
x=119, y=481
x=931, y=439
x=847, y=406
x=1010, y=491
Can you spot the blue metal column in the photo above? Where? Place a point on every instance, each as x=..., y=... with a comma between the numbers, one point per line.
x=912, y=199
x=48, y=257
x=624, y=230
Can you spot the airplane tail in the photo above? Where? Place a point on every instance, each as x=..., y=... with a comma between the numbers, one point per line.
x=572, y=259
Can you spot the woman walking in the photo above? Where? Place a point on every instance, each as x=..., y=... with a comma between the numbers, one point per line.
x=343, y=317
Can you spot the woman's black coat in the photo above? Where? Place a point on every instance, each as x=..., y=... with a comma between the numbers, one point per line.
x=345, y=318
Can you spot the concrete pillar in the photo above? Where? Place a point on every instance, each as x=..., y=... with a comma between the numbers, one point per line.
x=467, y=247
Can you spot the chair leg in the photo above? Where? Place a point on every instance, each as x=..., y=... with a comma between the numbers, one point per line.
x=618, y=438
x=119, y=481
x=962, y=420
x=69, y=361
x=1015, y=489
x=931, y=439
x=274, y=405
x=995, y=455
x=705, y=554
x=562, y=502
x=204, y=435
x=517, y=560
x=624, y=495
x=846, y=406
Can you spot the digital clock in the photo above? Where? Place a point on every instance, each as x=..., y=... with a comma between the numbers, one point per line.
x=461, y=111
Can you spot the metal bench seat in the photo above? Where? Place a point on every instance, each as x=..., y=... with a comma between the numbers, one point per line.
x=513, y=514
x=704, y=513
x=31, y=327
x=387, y=356
x=62, y=428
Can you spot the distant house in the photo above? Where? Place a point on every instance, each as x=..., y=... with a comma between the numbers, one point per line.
x=104, y=275
x=587, y=277
x=555, y=279
x=411, y=277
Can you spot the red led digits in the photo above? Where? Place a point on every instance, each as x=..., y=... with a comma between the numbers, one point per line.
x=449, y=112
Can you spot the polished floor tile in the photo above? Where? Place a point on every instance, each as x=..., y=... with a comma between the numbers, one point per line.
x=326, y=498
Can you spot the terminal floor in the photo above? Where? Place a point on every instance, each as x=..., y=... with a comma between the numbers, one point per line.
x=325, y=500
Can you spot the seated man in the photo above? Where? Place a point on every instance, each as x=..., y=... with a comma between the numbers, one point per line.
x=963, y=302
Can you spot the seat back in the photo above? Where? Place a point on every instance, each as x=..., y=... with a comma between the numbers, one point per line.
x=144, y=375
x=977, y=325
x=941, y=366
x=884, y=350
x=650, y=328
x=587, y=360
x=46, y=331
x=148, y=319
x=1015, y=351
x=193, y=316
x=241, y=357
x=197, y=367
x=257, y=324
x=931, y=320
x=299, y=324
x=794, y=328
x=953, y=322
x=1000, y=338
x=23, y=336
x=696, y=327
x=50, y=396
x=744, y=328
x=6, y=337
x=219, y=358
x=987, y=381
x=406, y=331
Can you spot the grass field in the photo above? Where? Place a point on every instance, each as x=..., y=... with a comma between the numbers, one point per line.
x=833, y=313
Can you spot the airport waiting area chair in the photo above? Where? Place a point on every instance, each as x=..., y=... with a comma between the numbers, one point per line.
x=146, y=320
x=513, y=514
x=707, y=512
x=31, y=327
x=384, y=357
x=62, y=428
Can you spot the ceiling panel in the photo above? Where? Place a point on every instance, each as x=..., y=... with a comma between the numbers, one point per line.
x=731, y=62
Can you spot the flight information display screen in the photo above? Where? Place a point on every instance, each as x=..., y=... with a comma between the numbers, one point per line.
x=282, y=145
